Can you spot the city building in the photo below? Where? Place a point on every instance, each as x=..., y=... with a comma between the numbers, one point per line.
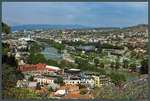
x=96, y=81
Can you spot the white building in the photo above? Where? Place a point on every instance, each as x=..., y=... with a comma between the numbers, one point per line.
x=53, y=67
x=60, y=92
x=89, y=82
x=25, y=39
x=72, y=82
x=76, y=39
x=42, y=80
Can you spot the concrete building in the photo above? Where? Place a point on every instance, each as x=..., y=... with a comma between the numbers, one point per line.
x=96, y=81
x=53, y=67
x=104, y=81
x=44, y=80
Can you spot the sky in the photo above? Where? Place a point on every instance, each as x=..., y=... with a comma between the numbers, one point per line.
x=93, y=14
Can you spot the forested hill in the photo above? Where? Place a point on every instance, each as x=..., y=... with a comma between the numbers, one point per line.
x=5, y=28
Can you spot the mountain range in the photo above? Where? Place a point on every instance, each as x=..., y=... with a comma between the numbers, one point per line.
x=45, y=26
x=141, y=27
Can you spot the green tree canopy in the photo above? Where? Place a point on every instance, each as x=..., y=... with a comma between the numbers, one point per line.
x=60, y=81
x=96, y=61
x=51, y=62
x=117, y=78
x=10, y=76
x=5, y=28
x=144, y=68
x=31, y=78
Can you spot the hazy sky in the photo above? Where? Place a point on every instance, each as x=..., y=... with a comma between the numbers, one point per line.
x=96, y=14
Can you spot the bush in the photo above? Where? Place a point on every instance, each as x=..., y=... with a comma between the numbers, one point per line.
x=117, y=78
x=10, y=76
x=31, y=78
x=83, y=92
x=131, y=92
x=60, y=81
x=17, y=93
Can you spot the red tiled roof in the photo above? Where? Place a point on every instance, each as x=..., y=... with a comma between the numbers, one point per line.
x=47, y=69
x=60, y=73
x=68, y=86
x=31, y=67
x=40, y=64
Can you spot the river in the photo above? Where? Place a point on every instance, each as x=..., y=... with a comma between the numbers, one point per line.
x=51, y=53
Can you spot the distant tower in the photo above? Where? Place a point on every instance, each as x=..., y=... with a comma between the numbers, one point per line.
x=25, y=31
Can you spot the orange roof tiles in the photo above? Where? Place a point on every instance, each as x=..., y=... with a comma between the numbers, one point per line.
x=49, y=69
x=52, y=94
x=67, y=86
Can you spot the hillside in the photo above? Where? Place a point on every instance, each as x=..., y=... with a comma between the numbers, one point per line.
x=5, y=28
x=137, y=28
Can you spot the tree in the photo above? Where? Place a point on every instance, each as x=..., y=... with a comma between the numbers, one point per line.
x=96, y=61
x=117, y=63
x=144, y=68
x=84, y=66
x=117, y=78
x=125, y=63
x=64, y=63
x=31, y=78
x=133, y=54
x=101, y=71
x=79, y=60
x=5, y=28
x=60, y=81
x=102, y=65
x=83, y=92
x=81, y=86
x=133, y=65
x=39, y=58
x=35, y=58
x=10, y=76
x=51, y=62
x=30, y=58
x=112, y=64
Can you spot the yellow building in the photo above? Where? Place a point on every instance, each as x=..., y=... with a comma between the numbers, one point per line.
x=103, y=80
x=100, y=81
x=96, y=81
